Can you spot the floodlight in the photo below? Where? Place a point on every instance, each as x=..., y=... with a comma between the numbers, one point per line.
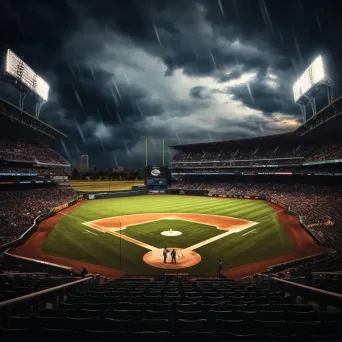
x=23, y=73
x=42, y=88
x=311, y=76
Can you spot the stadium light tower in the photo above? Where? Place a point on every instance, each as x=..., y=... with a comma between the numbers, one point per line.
x=19, y=74
x=309, y=84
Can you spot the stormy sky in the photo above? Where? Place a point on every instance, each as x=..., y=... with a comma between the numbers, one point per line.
x=183, y=70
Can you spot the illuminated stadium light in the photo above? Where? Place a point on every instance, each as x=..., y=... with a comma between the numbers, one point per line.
x=311, y=76
x=18, y=69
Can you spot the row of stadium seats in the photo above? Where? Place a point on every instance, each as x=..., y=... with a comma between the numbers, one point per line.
x=276, y=316
x=51, y=171
x=13, y=286
x=29, y=151
x=259, y=155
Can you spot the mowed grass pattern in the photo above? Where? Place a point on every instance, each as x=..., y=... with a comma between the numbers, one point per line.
x=192, y=233
x=70, y=239
x=95, y=186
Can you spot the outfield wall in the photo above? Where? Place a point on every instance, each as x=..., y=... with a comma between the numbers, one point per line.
x=118, y=194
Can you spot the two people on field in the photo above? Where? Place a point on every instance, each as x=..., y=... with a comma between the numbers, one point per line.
x=173, y=255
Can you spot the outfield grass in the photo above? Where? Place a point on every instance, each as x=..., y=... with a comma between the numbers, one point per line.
x=70, y=239
x=94, y=186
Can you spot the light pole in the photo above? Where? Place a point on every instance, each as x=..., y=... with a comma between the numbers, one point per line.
x=120, y=249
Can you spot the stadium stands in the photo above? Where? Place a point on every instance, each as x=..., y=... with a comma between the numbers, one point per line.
x=319, y=206
x=29, y=151
x=281, y=155
x=168, y=309
x=19, y=208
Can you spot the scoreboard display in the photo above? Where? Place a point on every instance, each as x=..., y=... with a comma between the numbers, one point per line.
x=156, y=175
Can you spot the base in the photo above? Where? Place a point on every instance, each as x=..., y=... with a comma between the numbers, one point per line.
x=184, y=258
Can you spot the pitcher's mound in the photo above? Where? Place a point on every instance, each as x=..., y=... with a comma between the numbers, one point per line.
x=185, y=258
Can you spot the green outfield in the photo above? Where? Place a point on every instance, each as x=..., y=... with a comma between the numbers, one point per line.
x=73, y=239
x=97, y=185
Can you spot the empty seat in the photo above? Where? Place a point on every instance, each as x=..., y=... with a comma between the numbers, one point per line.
x=191, y=325
x=124, y=314
x=148, y=336
x=153, y=314
x=272, y=327
x=81, y=324
x=234, y=326
x=190, y=315
x=59, y=313
x=46, y=334
x=104, y=336
x=155, y=325
x=188, y=307
x=110, y=324
x=22, y=322
x=197, y=336
x=8, y=334
x=50, y=322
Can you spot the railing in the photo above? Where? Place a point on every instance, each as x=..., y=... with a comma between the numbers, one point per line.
x=304, y=292
x=41, y=263
x=38, y=300
x=13, y=274
x=291, y=263
x=337, y=273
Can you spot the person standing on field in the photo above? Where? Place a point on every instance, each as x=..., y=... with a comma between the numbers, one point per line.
x=165, y=251
x=219, y=267
x=173, y=257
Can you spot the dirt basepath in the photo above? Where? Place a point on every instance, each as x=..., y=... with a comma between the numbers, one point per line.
x=304, y=245
x=32, y=248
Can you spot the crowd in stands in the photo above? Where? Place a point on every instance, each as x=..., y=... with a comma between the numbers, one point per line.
x=318, y=206
x=283, y=155
x=19, y=208
x=29, y=151
x=51, y=171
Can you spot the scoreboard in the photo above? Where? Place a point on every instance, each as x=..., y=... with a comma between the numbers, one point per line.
x=156, y=175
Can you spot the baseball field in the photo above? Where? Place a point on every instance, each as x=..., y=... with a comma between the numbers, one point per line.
x=129, y=234
x=101, y=185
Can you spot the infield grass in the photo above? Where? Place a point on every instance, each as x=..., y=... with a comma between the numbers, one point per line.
x=192, y=233
x=72, y=239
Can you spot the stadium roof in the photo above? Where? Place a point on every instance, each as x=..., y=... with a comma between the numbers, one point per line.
x=15, y=115
x=324, y=125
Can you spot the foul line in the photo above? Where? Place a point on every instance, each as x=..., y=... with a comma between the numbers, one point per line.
x=88, y=231
x=218, y=237
x=274, y=213
x=135, y=241
x=249, y=232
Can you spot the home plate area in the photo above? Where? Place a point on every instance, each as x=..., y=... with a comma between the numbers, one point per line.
x=185, y=257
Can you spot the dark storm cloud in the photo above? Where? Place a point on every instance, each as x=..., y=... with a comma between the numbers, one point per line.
x=186, y=71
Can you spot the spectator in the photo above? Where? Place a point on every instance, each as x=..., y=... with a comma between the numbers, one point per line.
x=84, y=273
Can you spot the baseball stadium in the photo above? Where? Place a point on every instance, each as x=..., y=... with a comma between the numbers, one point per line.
x=227, y=234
